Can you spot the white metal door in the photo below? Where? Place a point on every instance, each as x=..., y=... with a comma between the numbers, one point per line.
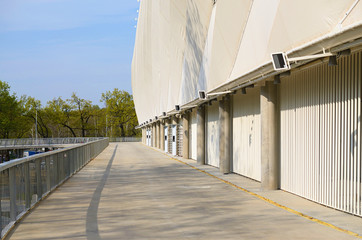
x=321, y=134
x=166, y=138
x=149, y=137
x=174, y=133
x=212, y=138
x=193, y=135
x=247, y=134
x=179, y=140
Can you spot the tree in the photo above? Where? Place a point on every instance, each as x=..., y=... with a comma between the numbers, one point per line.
x=60, y=114
x=35, y=113
x=121, y=111
x=11, y=114
x=82, y=110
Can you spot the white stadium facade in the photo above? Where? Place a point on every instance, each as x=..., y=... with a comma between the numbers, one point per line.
x=206, y=87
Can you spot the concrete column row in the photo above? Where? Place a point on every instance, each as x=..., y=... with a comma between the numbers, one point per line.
x=270, y=159
x=270, y=125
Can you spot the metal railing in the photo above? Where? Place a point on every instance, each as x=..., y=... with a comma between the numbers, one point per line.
x=125, y=139
x=45, y=141
x=25, y=181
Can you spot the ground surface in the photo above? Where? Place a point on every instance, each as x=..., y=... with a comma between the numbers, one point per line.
x=133, y=192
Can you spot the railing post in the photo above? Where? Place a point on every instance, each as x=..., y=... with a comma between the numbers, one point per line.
x=1, y=214
x=39, y=191
x=83, y=155
x=71, y=161
x=12, y=190
x=47, y=164
x=27, y=185
x=66, y=167
x=78, y=158
x=56, y=169
x=60, y=164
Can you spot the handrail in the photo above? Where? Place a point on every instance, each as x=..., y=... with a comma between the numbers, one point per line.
x=46, y=141
x=25, y=181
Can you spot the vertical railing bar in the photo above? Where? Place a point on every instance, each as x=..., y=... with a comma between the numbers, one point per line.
x=12, y=190
x=48, y=174
x=38, y=178
x=27, y=185
x=1, y=214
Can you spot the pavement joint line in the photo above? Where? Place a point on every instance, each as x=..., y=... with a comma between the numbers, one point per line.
x=264, y=198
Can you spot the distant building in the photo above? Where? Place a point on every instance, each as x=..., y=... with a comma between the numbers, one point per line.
x=205, y=87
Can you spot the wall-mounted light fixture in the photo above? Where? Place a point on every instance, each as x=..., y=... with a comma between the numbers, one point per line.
x=202, y=95
x=281, y=61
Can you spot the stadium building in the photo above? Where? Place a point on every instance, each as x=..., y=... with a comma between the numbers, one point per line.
x=270, y=90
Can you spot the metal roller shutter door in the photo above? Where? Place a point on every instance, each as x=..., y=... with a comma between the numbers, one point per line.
x=321, y=134
x=166, y=137
x=193, y=135
x=212, y=135
x=247, y=134
x=179, y=140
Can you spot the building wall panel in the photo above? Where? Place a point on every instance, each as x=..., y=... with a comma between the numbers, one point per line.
x=247, y=134
x=193, y=135
x=321, y=133
x=212, y=135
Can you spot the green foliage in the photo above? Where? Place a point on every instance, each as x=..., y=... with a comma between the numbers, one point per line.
x=121, y=113
x=11, y=113
x=74, y=117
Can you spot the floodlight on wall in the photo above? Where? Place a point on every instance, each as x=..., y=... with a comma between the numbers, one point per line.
x=279, y=61
x=282, y=62
x=177, y=107
x=156, y=117
x=202, y=95
x=164, y=114
x=243, y=90
x=150, y=120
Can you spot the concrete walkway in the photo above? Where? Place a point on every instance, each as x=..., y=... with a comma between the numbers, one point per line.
x=131, y=191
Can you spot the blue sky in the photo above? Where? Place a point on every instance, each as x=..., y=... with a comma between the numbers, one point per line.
x=52, y=48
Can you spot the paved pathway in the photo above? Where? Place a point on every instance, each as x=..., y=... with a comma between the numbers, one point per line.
x=133, y=192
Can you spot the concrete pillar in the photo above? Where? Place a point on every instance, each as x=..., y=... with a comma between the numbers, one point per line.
x=224, y=142
x=153, y=135
x=201, y=135
x=185, y=136
x=162, y=134
x=169, y=139
x=270, y=144
x=157, y=135
x=142, y=135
